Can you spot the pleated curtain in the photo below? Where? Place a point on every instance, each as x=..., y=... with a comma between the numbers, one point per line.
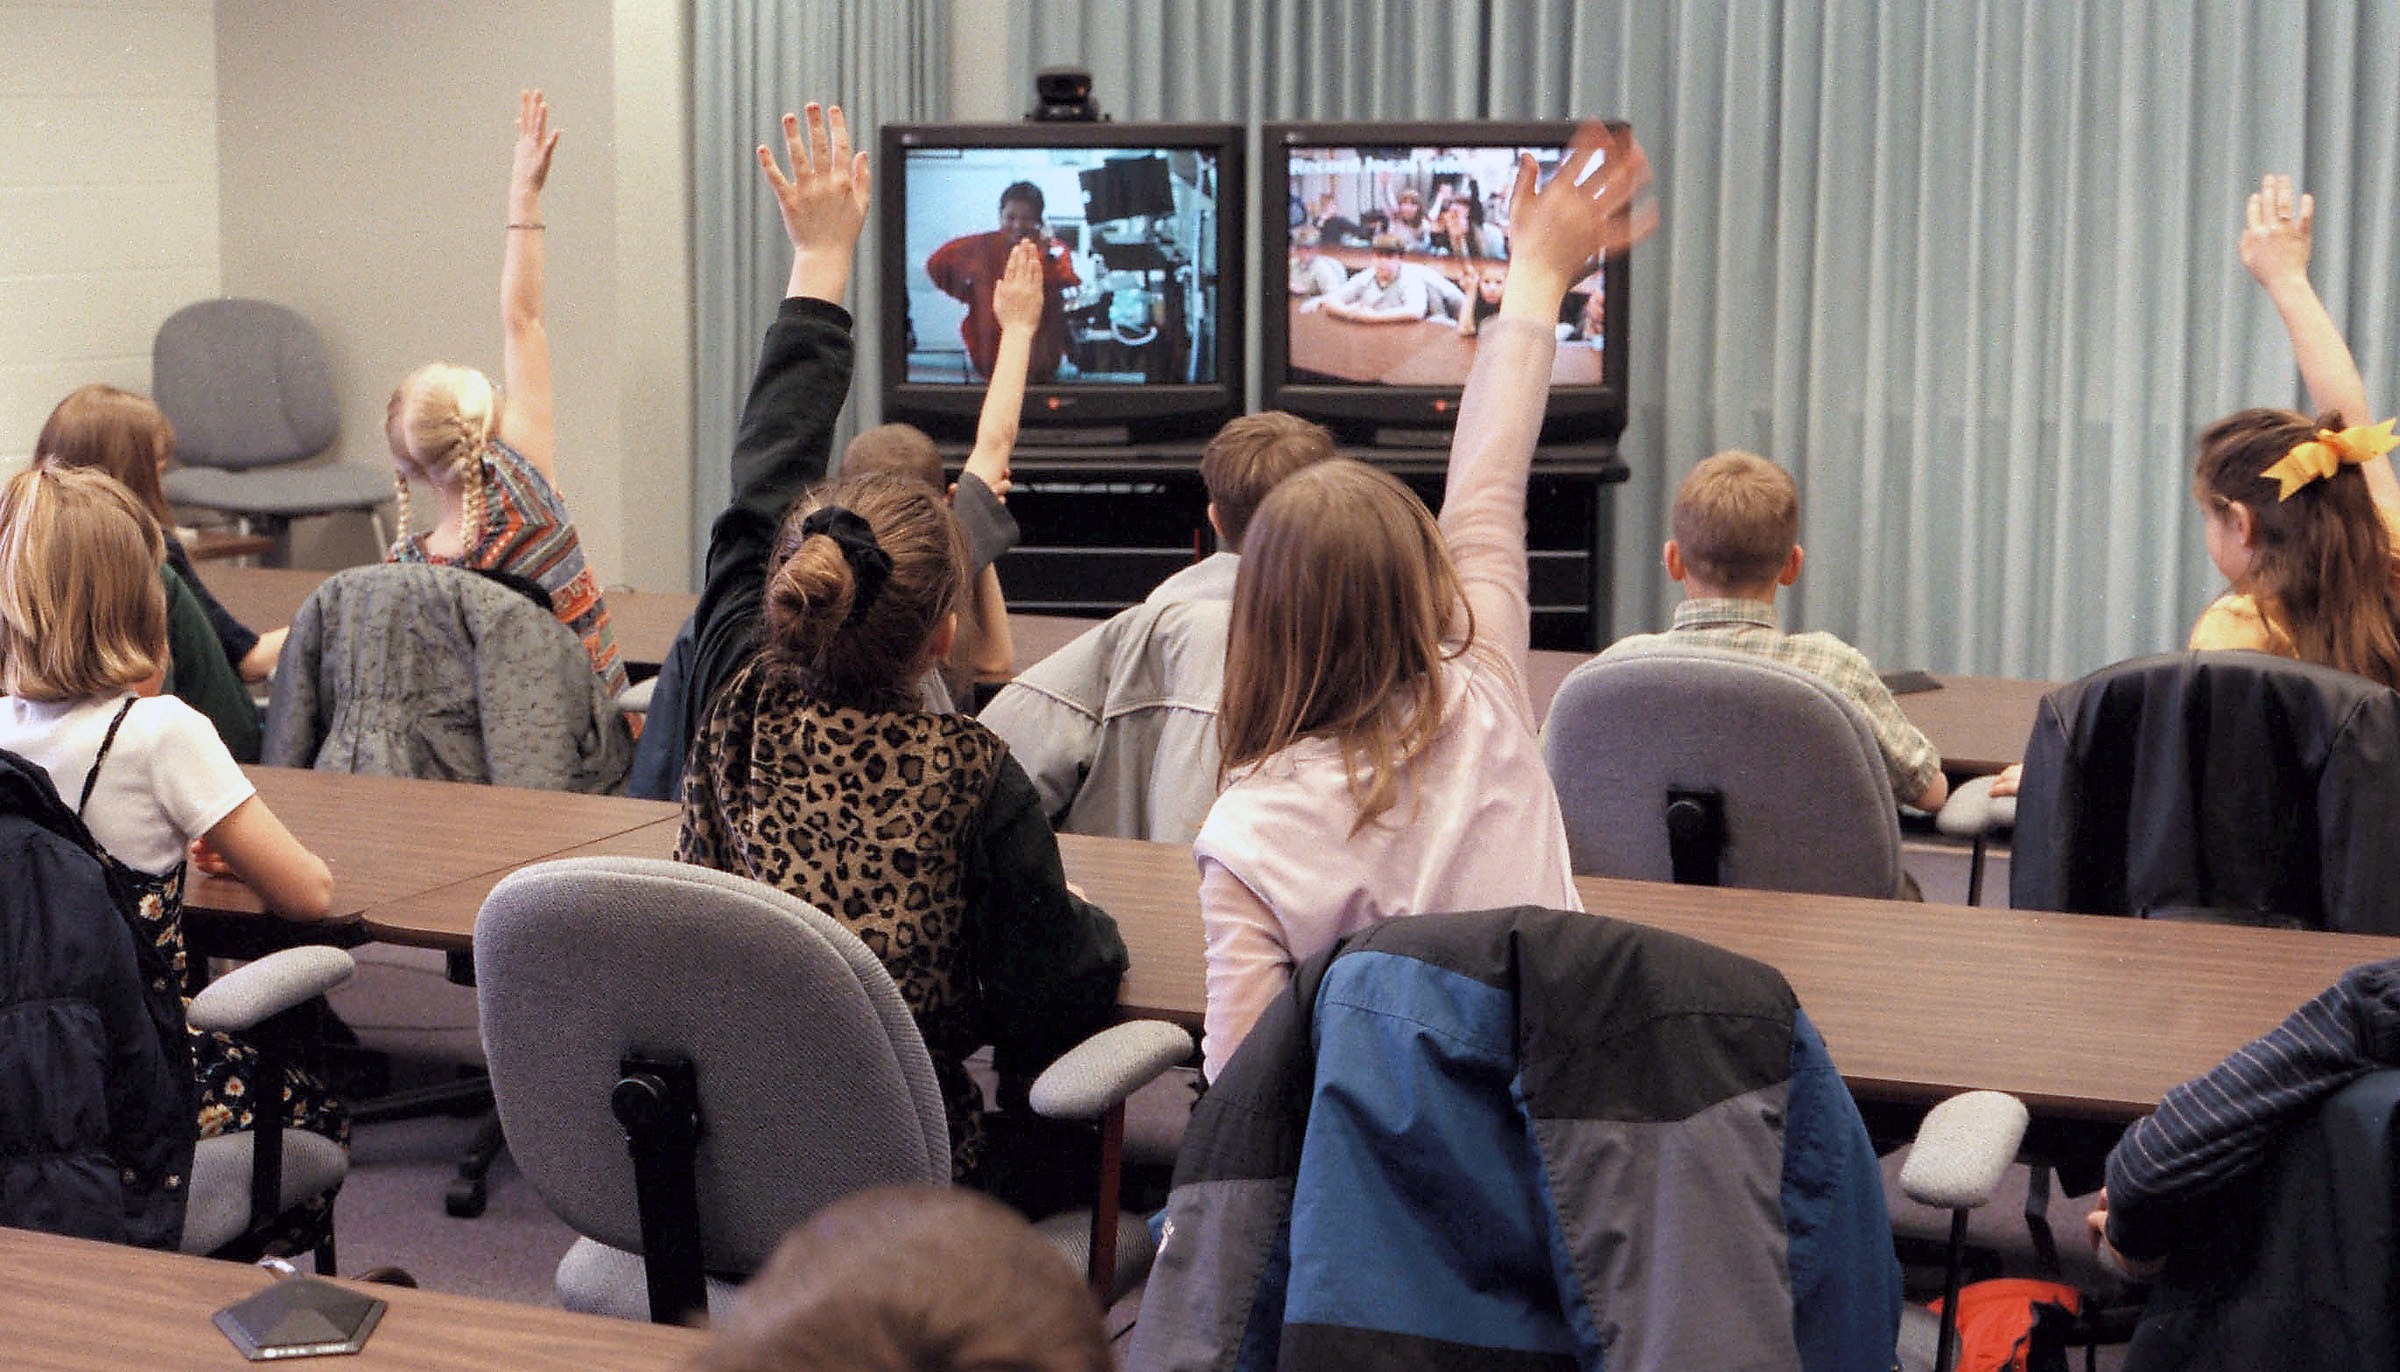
x=1966, y=267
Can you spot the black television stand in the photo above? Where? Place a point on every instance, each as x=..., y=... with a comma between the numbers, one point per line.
x=1101, y=526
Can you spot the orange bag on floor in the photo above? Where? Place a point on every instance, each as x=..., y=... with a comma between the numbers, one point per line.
x=1997, y=1320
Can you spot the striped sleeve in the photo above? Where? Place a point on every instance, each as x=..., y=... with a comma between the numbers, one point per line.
x=2214, y=1130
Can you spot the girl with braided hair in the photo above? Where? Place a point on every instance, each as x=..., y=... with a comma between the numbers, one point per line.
x=491, y=455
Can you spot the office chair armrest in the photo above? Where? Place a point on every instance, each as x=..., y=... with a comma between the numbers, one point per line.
x=635, y=699
x=1962, y=1148
x=256, y=992
x=1971, y=812
x=1100, y=1072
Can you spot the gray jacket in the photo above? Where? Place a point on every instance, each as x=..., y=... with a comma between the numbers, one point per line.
x=423, y=671
x=1119, y=728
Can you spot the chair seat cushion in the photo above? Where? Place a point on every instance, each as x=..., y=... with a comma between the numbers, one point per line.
x=595, y=1279
x=282, y=491
x=219, y=1210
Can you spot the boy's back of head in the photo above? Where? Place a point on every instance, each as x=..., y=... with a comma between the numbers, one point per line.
x=912, y=1279
x=1249, y=457
x=1736, y=519
x=899, y=449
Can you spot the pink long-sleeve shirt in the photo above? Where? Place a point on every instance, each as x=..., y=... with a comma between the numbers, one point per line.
x=1477, y=827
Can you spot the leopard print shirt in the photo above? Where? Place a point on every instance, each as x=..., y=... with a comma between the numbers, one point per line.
x=866, y=814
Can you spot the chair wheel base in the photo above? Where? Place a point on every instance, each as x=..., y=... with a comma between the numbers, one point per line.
x=466, y=1198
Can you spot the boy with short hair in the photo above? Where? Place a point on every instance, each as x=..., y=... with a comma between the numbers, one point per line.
x=1737, y=540
x=1118, y=728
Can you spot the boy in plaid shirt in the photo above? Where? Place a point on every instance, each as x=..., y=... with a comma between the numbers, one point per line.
x=1737, y=530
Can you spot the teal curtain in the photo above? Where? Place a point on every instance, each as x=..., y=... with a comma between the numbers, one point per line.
x=882, y=61
x=1966, y=266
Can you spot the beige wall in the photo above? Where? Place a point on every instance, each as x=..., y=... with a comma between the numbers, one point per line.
x=108, y=193
x=364, y=155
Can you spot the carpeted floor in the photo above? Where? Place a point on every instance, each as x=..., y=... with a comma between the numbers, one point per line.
x=390, y=1212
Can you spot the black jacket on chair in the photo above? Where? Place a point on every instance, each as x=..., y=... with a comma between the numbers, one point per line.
x=97, y=1117
x=2214, y=785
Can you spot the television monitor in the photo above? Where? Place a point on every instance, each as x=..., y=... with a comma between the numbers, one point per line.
x=1142, y=233
x=1394, y=241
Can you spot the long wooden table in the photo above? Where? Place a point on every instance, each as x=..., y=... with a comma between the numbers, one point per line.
x=70, y=1305
x=2084, y=1017
x=1977, y=723
x=389, y=838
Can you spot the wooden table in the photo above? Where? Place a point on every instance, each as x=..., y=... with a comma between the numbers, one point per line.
x=69, y=1305
x=1420, y=352
x=645, y=622
x=2083, y=1017
x=389, y=838
x=1977, y=723
x=209, y=545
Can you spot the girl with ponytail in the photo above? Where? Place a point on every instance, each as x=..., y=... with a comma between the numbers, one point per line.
x=2301, y=512
x=815, y=767
x=492, y=457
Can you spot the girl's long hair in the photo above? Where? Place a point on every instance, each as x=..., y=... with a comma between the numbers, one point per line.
x=2322, y=576
x=811, y=591
x=1344, y=608
x=113, y=431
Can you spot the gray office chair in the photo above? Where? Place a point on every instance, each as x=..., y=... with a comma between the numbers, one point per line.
x=247, y=386
x=688, y=1063
x=241, y=1181
x=1712, y=767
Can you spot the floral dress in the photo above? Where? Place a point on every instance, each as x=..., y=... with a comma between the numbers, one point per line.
x=226, y=1066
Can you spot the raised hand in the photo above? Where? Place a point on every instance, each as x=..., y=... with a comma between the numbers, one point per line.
x=824, y=200
x=1596, y=204
x=1017, y=296
x=2276, y=232
x=536, y=141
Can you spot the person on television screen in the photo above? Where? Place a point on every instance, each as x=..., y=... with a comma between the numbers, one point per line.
x=1382, y=292
x=1491, y=282
x=1459, y=231
x=1409, y=223
x=968, y=268
x=1312, y=273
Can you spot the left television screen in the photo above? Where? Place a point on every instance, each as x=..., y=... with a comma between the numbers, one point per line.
x=1129, y=241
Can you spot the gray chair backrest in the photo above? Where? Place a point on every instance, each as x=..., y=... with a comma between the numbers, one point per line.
x=1808, y=803
x=245, y=383
x=813, y=1081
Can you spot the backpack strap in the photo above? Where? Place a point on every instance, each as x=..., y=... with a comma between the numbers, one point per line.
x=107, y=742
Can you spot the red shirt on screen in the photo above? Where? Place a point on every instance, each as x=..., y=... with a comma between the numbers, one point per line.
x=967, y=268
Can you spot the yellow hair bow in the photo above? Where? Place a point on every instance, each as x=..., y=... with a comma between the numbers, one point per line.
x=2329, y=452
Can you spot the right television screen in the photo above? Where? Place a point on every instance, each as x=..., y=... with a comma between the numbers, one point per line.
x=1395, y=246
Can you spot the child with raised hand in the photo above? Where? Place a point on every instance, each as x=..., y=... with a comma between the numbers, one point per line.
x=2303, y=515
x=491, y=454
x=83, y=636
x=1380, y=756
x=815, y=767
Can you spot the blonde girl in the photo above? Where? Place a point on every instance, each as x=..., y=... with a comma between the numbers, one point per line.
x=1380, y=756
x=490, y=457
x=82, y=648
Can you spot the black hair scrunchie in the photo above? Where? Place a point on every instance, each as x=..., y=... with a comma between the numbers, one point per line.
x=870, y=565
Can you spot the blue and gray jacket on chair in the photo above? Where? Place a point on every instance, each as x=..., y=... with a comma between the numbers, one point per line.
x=1526, y=1138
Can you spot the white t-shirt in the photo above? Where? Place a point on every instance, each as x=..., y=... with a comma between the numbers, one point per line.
x=167, y=779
